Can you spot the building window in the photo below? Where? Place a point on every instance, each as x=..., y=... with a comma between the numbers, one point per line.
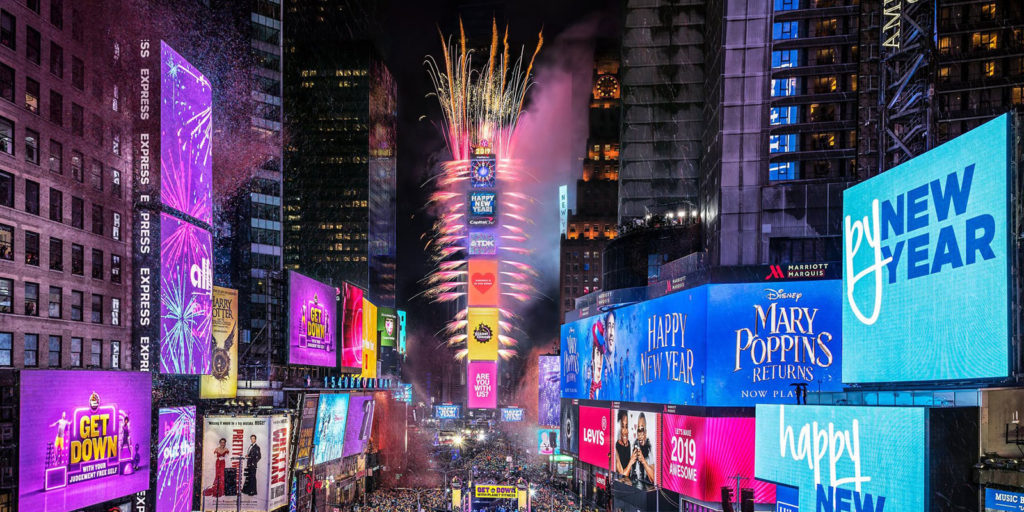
x=31, y=349
x=77, y=119
x=95, y=353
x=77, y=213
x=7, y=82
x=945, y=44
x=985, y=40
x=76, y=166
x=56, y=108
x=76, y=352
x=115, y=311
x=31, y=95
x=115, y=268
x=32, y=299
x=77, y=73
x=56, y=157
x=115, y=354
x=6, y=295
x=56, y=205
x=6, y=189
x=97, y=264
x=56, y=254
x=32, y=146
x=1017, y=95
x=57, y=13
x=97, y=309
x=56, y=309
x=6, y=136
x=989, y=68
x=96, y=175
x=32, y=197
x=56, y=60
x=33, y=44
x=53, y=361
x=116, y=232
x=115, y=181
x=97, y=219
x=77, y=260
x=77, y=298
x=32, y=248
x=97, y=131
x=6, y=347
x=6, y=242
x=33, y=5
x=7, y=30
x=115, y=100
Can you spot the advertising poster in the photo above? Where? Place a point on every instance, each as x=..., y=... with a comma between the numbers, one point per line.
x=483, y=243
x=763, y=337
x=595, y=441
x=512, y=414
x=280, y=436
x=331, y=418
x=312, y=308
x=482, y=384
x=352, y=337
x=548, y=441
x=921, y=241
x=186, y=297
x=482, y=171
x=483, y=282
x=387, y=324
x=570, y=424
x=842, y=456
x=486, y=491
x=548, y=402
x=236, y=463
x=702, y=455
x=482, y=334
x=357, y=428
x=402, y=321
x=652, y=352
x=447, y=411
x=307, y=427
x=223, y=381
x=84, y=437
x=369, y=340
x=483, y=208
x=175, y=459
x=635, y=457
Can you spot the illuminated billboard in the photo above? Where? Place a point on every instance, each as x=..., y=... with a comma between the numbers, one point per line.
x=352, y=335
x=447, y=411
x=312, y=322
x=842, y=457
x=223, y=380
x=483, y=208
x=702, y=455
x=245, y=460
x=482, y=170
x=482, y=334
x=635, y=457
x=84, y=437
x=512, y=414
x=483, y=283
x=357, y=427
x=307, y=427
x=175, y=459
x=547, y=441
x=595, y=438
x=548, y=403
x=763, y=337
x=402, y=323
x=924, y=241
x=186, y=133
x=482, y=243
x=369, y=340
x=570, y=422
x=387, y=324
x=331, y=417
x=482, y=384
x=186, y=297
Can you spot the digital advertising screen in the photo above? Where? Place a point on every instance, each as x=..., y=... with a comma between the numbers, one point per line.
x=387, y=324
x=548, y=401
x=482, y=334
x=175, y=459
x=843, y=456
x=186, y=297
x=482, y=171
x=223, y=380
x=307, y=427
x=922, y=240
x=352, y=336
x=447, y=411
x=763, y=337
x=186, y=133
x=280, y=436
x=331, y=419
x=512, y=414
x=595, y=440
x=570, y=422
x=547, y=441
x=702, y=455
x=84, y=437
x=483, y=283
x=652, y=352
x=312, y=322
x=483, y=243
x=357, y=428
x=483, y=208
x=237, y=456
x=482, y=384
x=369, y=340
x=635, y=455
x=402, y=322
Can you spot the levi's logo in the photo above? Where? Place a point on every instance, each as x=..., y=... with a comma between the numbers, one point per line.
x=593, y=436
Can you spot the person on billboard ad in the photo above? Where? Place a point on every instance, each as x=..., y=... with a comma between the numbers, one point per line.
x=642, y=459
x=623, y=451
x=220, y=453
x=252, y=459
x=597, y=360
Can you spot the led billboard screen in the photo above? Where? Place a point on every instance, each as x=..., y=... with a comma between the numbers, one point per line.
x=763, y=337
x=570, y=424
x=387, y=324
x=482, y=384
x=312, y=322
x=635, y=455
x=331, y=417
x=186, y=297
x=84, y=437
x=223, y=381
x=186, y=133
x=921, y=241
x=369, y=340
x=307, y=427
x=482, y=172
x=357, y=427
x=548, y=403
x=547, y=441
x=483, y=282
x=175, y=459
x=842, y=457
x=482, y=334
x=595, y=438
x=352, y=336
x=512, y=414
x=447, y=412
x=402, y=323
x=245, y=459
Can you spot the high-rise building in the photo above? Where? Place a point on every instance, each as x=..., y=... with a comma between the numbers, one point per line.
x=340, y=161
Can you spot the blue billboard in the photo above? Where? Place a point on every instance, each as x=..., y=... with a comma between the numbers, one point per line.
x=844, y=458
x=764, y=337
x=926, y=264
x=447, y=411
x=329, y=436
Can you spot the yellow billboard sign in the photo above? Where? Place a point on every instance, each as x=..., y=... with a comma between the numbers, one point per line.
x=369, y=340
x=482, y=334
x=495, y=491
x=223, y=382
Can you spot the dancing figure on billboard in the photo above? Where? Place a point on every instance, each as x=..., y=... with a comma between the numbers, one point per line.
x=60, y=440
x=220, y=453
x=252, y=458
x=597, y=361
x=643, y=456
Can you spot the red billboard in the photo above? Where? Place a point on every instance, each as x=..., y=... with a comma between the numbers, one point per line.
x=595, y=436
x=483, y=282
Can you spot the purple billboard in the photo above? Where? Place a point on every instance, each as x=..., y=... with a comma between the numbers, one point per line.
x=186, y=128
x=84, y=437
x=352, y=333
x=357, y=427
x=175, y=459
x=312, y=311
x=549, y=405
x=186, y=297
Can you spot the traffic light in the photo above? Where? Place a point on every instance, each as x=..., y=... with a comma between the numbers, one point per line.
x=727, y=500
x=746, y=500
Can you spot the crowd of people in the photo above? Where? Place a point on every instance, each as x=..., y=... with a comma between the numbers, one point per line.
x=402, y=500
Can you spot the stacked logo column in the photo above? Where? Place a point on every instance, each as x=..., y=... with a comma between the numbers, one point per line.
x=482, y=326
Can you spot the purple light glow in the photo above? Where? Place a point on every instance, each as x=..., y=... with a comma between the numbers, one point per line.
x=186, y=297
x=186, y=128
x=357, y=427
x=312, y=307
x=175, y=459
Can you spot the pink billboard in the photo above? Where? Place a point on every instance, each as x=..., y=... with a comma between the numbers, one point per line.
x=702, y=455
x=482, y=384
x=595, y=436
